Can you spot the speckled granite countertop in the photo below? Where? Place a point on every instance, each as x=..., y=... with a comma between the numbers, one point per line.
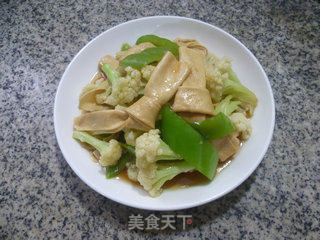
x=41, y=197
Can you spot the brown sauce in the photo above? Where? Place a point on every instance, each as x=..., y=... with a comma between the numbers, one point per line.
x=124, y=177
x=183, y=180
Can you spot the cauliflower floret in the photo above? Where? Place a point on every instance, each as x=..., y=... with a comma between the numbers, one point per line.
x=146, y=71
x=223, y=64
x=132, y=171
x=212, y=59
x=131, y=135
x=216, y=74
x=146, y=149
x=152, y=174
x=214, y=80
x=127, y=89
x=123, y=89
x=111, y=154
x=242, y=125
x=108, y=152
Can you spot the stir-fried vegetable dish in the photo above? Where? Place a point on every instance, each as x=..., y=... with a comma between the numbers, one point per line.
x=160, y=108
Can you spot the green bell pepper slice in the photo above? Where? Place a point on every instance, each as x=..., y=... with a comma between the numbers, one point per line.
x=147, y=56
x=160, y=42
x=215, y=127
x=184, y=140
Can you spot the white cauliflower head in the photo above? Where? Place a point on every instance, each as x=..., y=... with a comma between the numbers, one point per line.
x=242, y=125
x=131, y=135
x=146, y=150
x=147, y=71
x=108, y=152
x=216, y=74
x=110, y=155
x=132, y=171
x=223, y=64
x=127, y=88
x=152, y=175
x=214, y=82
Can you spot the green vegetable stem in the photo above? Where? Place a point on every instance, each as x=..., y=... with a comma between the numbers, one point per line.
x=111, y=73
x=129, y=148
x=103, y=147
x=227, y=106
x=112, y=171
x=128, y=156
x=241, y=93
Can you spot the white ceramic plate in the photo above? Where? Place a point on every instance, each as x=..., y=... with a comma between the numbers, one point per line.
x=83, y=67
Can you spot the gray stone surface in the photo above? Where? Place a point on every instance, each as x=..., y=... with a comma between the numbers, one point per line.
x=40, y=196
